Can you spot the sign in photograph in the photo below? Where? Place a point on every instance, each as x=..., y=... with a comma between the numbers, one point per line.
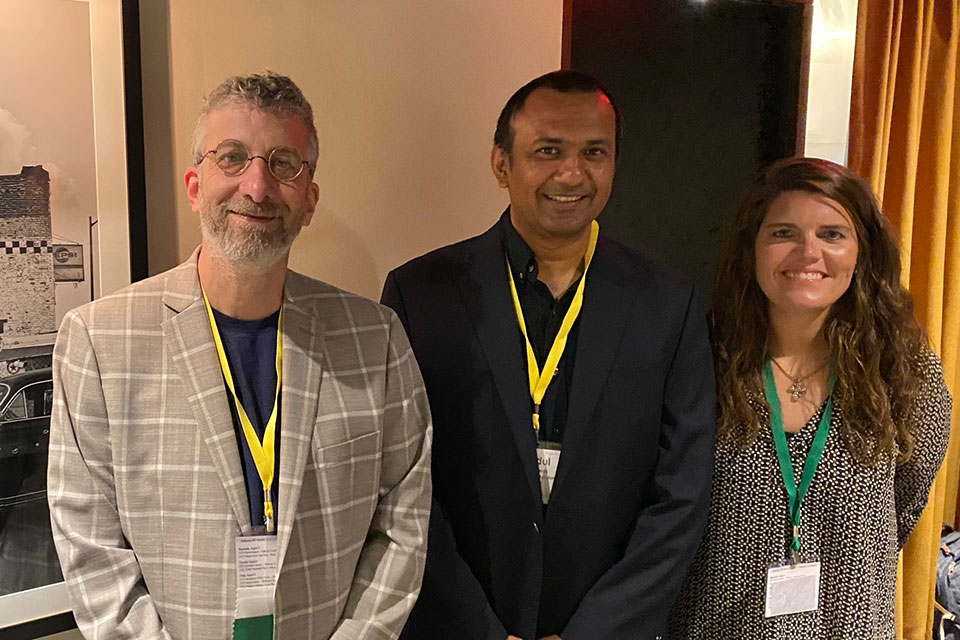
x=68, y=263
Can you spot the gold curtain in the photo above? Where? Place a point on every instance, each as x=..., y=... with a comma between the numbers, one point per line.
x=905, y=140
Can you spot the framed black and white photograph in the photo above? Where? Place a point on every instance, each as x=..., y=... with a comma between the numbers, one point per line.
x=72, y=228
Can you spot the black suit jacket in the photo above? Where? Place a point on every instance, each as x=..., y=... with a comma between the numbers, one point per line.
x=631, y=494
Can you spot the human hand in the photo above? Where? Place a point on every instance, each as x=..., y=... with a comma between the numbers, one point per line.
x=513, y=638
x=553, y=637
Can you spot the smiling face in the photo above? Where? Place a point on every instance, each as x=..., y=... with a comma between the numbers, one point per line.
x=251, y=219
x=559, y=171
x=806, y=253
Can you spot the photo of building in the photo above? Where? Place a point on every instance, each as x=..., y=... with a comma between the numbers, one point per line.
x=26, y=246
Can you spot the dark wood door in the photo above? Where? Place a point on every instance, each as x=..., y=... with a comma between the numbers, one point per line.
x=711, y=91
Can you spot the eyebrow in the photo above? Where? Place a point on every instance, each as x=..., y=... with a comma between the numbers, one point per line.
x=795, y=226
x=597, y=141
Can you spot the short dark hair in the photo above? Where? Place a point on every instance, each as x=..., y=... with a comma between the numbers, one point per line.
x=564, y=81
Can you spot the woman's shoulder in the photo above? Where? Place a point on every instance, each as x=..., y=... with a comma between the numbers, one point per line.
x=930, y=411
x=929, y=369
x=927, y=363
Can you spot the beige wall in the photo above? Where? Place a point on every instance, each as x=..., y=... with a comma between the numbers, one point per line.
x=406, y=96
x=833, y=37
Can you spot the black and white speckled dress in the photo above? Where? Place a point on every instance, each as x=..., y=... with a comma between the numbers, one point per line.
x=855, y=520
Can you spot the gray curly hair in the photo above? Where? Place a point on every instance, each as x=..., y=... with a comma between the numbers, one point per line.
x=267, y=91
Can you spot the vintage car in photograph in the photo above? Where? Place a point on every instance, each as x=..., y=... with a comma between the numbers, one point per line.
x=27, y=555
x=25, y=403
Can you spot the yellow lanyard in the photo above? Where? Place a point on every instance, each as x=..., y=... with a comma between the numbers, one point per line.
x=539, y=381
x=263, y=456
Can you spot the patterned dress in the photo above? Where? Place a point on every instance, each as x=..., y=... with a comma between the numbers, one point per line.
x=855, y=519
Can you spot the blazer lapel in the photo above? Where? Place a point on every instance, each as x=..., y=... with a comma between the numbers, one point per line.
x=194, y=353
x=300, y=393
x=486, y=293
x=607, y=301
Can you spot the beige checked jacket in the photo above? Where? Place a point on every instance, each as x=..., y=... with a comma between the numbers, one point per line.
x=145, y=484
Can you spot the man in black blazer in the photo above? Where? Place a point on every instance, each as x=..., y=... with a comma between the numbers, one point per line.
x=574, y=512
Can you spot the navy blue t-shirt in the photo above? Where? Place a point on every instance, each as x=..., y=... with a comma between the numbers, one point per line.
x=251, y=347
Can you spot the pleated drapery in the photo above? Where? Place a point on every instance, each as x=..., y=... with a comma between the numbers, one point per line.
x=905, y=140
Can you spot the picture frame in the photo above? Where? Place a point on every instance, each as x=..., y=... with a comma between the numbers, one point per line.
x=118, y=234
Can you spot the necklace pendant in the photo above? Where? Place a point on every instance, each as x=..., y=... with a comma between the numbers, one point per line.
x=797, y=389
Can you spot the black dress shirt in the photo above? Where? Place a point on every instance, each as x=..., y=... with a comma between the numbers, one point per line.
x=542, y=314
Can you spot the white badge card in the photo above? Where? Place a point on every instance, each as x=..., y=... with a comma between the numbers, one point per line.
x=793, y=588
x=256, y=575
x=548, y=457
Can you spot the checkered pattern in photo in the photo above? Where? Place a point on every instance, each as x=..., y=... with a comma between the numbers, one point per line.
x=16, y=247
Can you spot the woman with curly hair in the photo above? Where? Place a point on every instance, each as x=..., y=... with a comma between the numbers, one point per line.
x=833, y=418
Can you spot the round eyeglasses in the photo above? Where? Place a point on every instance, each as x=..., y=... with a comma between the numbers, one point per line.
x=233, y=158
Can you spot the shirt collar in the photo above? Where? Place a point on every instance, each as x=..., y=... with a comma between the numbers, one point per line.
x=523, y=262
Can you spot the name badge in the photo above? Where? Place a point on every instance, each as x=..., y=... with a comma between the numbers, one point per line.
x=256, y=575
x=548, y=457
x=793, y=588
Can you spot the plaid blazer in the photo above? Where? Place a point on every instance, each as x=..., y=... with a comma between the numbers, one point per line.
x=145, y=484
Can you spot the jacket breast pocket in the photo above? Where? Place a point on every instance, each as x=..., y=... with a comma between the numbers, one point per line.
x=348, y=473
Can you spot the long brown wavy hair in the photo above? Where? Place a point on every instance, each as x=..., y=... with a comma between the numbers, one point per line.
x=873, y=335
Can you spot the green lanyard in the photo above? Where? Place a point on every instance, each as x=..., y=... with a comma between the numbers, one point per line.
x=795, y=493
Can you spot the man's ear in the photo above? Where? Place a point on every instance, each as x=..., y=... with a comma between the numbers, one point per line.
x=191, y=179
x=311, y=199
x=500, y=163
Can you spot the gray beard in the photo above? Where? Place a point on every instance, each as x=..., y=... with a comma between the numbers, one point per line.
x=253, y=250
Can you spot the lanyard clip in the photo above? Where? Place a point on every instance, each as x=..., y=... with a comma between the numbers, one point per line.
x=795, y=545
x=268, y=518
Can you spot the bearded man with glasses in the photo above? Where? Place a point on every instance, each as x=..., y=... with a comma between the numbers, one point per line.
x=238, y=450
